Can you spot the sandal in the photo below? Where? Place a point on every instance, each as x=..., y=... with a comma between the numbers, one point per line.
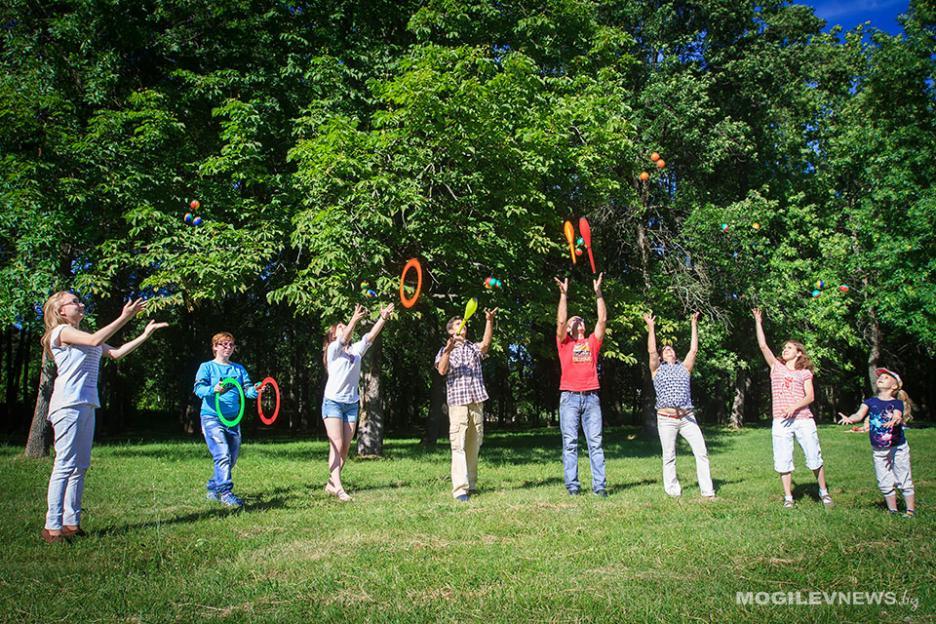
x=788, y=503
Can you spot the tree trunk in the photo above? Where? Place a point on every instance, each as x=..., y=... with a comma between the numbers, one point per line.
x=874, y=355
x=437, y=414
x=40, y=432
x=742, y=387
x=371, y=429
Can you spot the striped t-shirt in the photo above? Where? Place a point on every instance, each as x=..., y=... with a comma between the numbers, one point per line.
x=76, y=382
x=789, y=388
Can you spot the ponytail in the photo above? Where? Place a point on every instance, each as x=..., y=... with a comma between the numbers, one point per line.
x=908, y=405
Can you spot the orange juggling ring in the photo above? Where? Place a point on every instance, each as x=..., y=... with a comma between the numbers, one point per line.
x=412, y=263
x=269, y=381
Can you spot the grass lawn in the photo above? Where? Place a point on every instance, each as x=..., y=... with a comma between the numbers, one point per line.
x=520, y=551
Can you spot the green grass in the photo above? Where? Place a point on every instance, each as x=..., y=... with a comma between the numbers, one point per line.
x=520, y=551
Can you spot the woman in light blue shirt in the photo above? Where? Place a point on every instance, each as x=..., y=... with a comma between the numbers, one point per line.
x=77, y=356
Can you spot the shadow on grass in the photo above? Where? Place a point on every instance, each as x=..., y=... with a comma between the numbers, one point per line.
x=535, y=446
x=276, y=499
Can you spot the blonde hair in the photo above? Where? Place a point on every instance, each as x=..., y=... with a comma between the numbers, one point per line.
x=52, y=318
x=802, y=360
x=908, y=404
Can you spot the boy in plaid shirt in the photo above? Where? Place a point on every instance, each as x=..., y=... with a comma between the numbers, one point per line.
x=459, y=361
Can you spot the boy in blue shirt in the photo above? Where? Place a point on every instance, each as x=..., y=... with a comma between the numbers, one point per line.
x=223, y=441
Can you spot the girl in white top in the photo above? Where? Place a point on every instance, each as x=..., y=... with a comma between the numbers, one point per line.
x=342, y=360
x=77, y=356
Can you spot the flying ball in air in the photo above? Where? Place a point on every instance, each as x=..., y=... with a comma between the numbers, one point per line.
x=370, y=294
x=365, y=285
x=188, y=218
x=820, y=284
x=843, y=288
x=578, y=252
x=644, y=176
x=755, y=225
x=195, y=204
x=197, y=221
x=655, y=156
x=580, y=241
x=816, y=293
x=724, y=227
x=660, y=163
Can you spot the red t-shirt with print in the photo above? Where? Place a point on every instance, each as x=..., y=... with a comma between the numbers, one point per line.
x=579, y=360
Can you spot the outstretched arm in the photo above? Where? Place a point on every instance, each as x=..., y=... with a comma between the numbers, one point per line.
x=602, y=323
x=562, y=313
x=70, y=335
x=379, y=325
x=129, y=347
x=761, y=339
x=359, y=312
x=488, y=330
x=689, y=362
x=854, y=418
x=650, y=320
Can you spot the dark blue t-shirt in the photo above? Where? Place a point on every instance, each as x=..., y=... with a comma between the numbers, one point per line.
x=879, y=413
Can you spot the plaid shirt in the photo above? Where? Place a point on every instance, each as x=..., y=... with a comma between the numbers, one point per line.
x=464, y=382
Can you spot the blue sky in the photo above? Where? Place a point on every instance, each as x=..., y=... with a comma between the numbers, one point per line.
x=849, y=13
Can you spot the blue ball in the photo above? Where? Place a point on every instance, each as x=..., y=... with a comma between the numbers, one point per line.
x=188, y=217
x=197, y=221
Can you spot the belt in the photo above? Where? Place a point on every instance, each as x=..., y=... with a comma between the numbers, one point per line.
x=680, y=412
x=582, y=393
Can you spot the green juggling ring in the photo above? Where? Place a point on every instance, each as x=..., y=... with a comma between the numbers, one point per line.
x=240, y=411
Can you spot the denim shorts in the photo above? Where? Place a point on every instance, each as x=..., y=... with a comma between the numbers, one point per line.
x=348, y=412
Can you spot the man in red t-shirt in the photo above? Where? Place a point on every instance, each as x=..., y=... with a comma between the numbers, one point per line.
x=579, y=386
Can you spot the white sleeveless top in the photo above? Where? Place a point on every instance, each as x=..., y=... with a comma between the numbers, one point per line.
x=77, y=377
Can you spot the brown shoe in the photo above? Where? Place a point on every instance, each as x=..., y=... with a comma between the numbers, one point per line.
x=73, y=531
x=48, y=538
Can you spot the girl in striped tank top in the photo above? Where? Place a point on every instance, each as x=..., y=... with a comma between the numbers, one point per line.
x=675, y=414
x=77, y=356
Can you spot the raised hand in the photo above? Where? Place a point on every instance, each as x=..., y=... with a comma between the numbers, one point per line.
x=694, y=317
x=758, y=315
x=597, y=283
x=844, y=419
x=489, y=314
x=359, y=312
x=153, y=326
x=132, y=308
x=649, y=319
x=563, y=285
x=386, y=312
x=453, y=342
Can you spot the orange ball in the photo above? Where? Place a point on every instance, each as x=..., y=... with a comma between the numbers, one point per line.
x=195, y=204
x=655, y=156
x=660, y=164
x=644, y=176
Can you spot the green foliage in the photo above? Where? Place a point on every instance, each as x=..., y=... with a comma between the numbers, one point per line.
x=329, y=142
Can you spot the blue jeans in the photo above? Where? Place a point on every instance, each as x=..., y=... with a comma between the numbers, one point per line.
x=74, y=432
x=574, y=406
x=224, y=446
x=348, y=412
